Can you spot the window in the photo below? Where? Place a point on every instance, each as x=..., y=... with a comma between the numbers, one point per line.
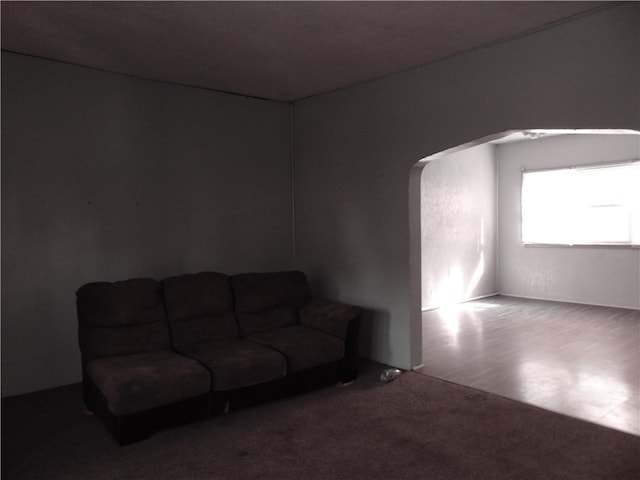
x=596, y=205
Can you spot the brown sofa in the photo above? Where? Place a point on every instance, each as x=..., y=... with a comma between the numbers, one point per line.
x=159, y=353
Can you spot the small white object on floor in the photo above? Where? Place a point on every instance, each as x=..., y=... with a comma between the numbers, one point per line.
x=390, y=374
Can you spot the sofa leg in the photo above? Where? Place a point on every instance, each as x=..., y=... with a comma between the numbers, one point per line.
x=347, y=372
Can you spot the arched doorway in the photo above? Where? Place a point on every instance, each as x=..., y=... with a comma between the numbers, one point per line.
x=450, y=283
x=547, y=377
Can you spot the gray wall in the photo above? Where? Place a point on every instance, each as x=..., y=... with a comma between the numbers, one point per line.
x=458, y=205
x=107, y=177
x=596, y=275
x=354, y=152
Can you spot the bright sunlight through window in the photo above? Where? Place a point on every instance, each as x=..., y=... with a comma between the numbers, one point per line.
x=595, y=205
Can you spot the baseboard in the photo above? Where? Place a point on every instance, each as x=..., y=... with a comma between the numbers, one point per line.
x=537, y=298
x=568, y=301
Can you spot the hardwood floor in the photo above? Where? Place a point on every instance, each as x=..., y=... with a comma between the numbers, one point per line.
x=578, y=360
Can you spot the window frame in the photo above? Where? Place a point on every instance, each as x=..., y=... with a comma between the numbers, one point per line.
x=632, y=205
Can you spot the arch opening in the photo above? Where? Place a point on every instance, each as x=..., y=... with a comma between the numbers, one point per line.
x=436, y=279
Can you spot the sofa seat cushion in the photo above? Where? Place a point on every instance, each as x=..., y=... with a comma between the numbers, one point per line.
x=133, y=383
x=303, y=347
x=238, y=363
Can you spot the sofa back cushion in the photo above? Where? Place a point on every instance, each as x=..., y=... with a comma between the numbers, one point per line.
x=199, y=308
x=266, y=301
x=121, y=318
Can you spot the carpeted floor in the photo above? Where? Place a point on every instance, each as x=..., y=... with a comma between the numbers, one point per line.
x=415, y=427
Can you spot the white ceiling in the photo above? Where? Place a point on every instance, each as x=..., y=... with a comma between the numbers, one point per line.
x=276, y=50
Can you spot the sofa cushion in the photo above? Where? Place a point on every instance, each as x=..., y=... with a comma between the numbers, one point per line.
x=101, y=342
x=121, y=318
x=329, y=317
x=133, y=383
x=266, y=301
x=199, y=308
x=303, y=347
x=238, y=363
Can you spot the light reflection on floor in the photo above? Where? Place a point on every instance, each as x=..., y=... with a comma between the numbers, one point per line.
x=577, y=360
x=558, y=389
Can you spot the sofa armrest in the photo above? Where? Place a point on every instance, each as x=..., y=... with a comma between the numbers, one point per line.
x=342, y=321
x=329, y=317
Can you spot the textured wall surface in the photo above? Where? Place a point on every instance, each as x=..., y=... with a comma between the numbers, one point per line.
x=107, y=177
x=458, y=199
